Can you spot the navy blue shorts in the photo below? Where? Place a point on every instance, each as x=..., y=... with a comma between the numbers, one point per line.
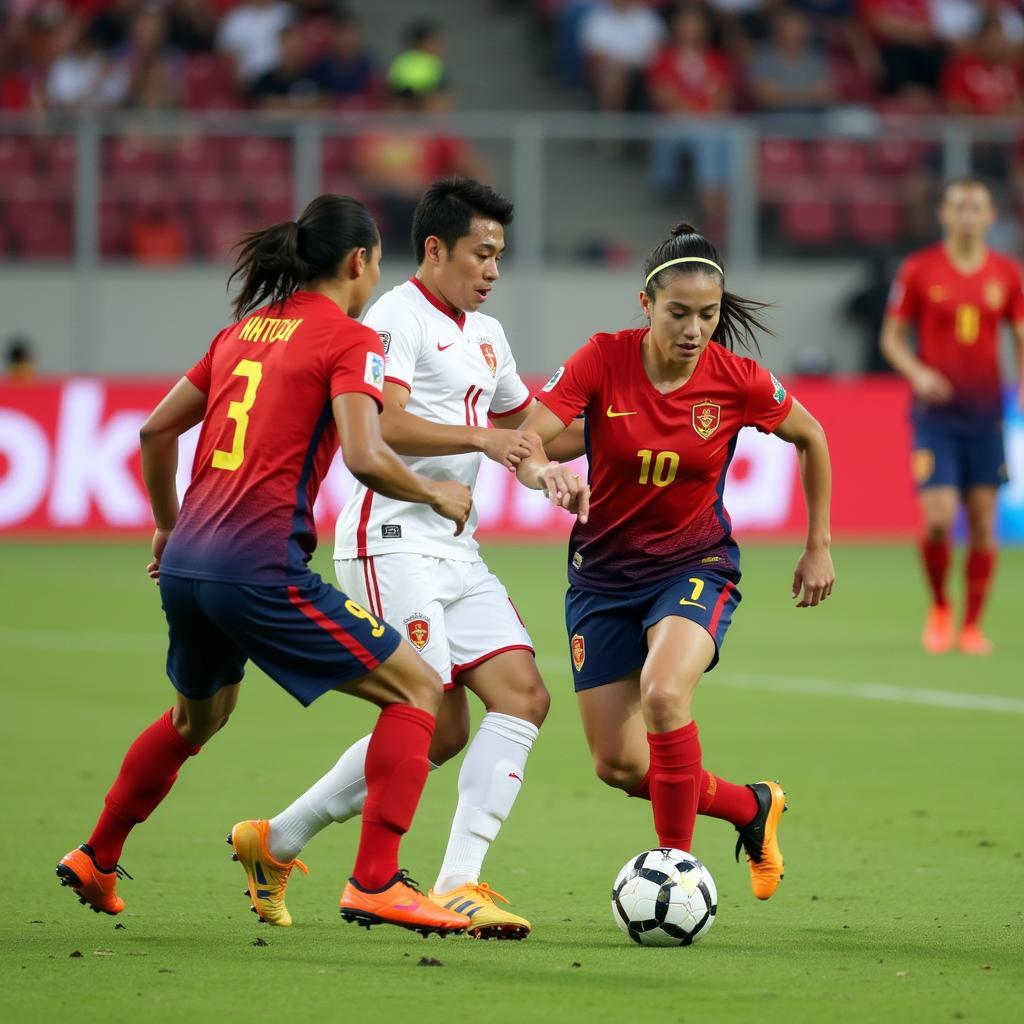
x=960, y=455
x=308, y=637
x=608, y=632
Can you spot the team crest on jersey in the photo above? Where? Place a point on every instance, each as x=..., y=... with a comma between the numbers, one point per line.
x=706, y=417
x=555, y=378
x=417, y=628
x=489, y=357
x=579, y=651
x=779, y=394
x=994, y=294
x=374, y=375
x=936, y=293
x=385, y=340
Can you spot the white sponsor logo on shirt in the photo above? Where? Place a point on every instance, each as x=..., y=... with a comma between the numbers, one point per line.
x=550, y=386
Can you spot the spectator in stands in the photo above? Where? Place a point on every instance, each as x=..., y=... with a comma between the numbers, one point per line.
x=19, y=359
x=250, y=34
x=689, y=80
x=291, y=84
x=346, y=73
x=619, y=39
x=192, y=25
x=420, y=67
x=958, y=21
x=79, y=75
x=840, y=31
x=908, y=47
x=984, y=79
x=111, y=20
x=791, y=74
x=145, y=64
x=155, y=86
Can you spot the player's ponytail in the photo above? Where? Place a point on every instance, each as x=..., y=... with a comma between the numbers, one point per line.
x=687, y=251
x=276, y=261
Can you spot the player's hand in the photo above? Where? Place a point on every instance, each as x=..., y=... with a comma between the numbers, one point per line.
x=509, y=447
x=453, y=501
x=816, y=575
x=564, y=489
x=932, y=386
x=160, y=538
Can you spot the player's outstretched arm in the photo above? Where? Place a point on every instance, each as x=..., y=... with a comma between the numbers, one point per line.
x=374, y=463
x=927, y=383
x=179, y=410
x=409, y=434
x=563, y=487
x=814, y=572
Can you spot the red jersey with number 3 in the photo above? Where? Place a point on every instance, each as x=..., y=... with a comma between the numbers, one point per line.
x=268, y=438
x=957, y=317
x=657, y=461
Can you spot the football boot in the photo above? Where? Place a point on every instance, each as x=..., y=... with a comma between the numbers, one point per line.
x=401, y=903
x=759, y=839
x=267, y=876
x=479, y=902
x=95, y=888
x=972, y=641
x=937, y=637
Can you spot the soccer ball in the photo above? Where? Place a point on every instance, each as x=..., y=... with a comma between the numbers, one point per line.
x=664, y=898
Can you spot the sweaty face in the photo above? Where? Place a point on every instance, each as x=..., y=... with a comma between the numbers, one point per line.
x=684, y=314
x=366, y=283
x=966, y=212
x=466, y=273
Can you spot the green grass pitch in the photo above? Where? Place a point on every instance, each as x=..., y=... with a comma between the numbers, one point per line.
x=904, y=845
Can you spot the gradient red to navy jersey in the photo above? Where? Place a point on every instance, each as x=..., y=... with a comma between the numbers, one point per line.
x=658, y=461
x=253, y=523
x=957, y=317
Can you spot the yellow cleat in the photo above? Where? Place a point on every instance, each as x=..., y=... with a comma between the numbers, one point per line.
x=759, y=839
x=267, y=876
x=487, y=920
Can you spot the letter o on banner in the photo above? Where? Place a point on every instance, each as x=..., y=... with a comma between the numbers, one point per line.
x=24, y=466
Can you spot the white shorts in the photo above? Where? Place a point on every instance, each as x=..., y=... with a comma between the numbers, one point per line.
x=456, y=614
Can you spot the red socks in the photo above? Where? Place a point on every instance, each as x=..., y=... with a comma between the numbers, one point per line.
x=980, y=563
x=674, y=779
x=716, y=798
x=396, y=771
x=146, y=776
x=935, y=555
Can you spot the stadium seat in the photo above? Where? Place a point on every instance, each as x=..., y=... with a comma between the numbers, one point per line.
x=206, y=84
x=42, y=233
x=337, y=155
x=255, y=158
x=779, y=162
x=196, y=157
x=58, y=156
x=220, y=231
x=873, y=214
x=808, y=218
x=113, y=241
x=17, y=158
x=838, y=160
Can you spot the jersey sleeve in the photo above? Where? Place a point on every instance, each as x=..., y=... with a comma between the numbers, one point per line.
x=401, y=338
x=201, y=375
x=511, y=395
x=574, y=384
x=768, y=402
x=904, y=296
x=357, y=364
x=1015, y=305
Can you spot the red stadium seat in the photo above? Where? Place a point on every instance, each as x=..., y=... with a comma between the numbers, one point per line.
x=113, y=223
x=17, y=157
x=779, y=162
x=841, y=161
x=206, y=84
x=275, y=202
x=337, y=155
x=873, y=214
x=42, y=233
x=255, y=158
x=220, y=231
x=807, y=217
x=58, y=156
x=196, y=157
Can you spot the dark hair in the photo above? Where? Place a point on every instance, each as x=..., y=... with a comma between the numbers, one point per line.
x=739, y=318
x=276, y=261
x=448, y=207
x=965, y=181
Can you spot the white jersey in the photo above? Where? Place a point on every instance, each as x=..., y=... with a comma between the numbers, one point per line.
x=457, y=370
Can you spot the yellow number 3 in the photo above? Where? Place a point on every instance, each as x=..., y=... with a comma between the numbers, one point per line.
x=239, y=412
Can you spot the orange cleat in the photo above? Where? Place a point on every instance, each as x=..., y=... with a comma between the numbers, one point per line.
x=759, y=839
x=95, y=888
x=400, y=903
x=938, y=630
x=972, y=641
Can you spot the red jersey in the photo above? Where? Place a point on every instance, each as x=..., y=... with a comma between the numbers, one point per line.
x=957, y=318
x=657, y=461
x=984, y=87
x=268, y=438
x=697, y=81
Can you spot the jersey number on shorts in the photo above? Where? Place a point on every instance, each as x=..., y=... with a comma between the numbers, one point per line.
x=666, y=465
x=968, y=320
x=239, y=412
x=357, y=611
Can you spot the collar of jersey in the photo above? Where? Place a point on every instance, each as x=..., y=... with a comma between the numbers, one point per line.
x=453, y=314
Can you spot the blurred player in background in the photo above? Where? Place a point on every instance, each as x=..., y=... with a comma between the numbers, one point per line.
x=653, y=567
x=449, y=368
x=955, y=295
x=275, y=392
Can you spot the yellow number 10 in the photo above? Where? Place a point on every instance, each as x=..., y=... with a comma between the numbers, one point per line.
x=666, y=465
x=239, y=412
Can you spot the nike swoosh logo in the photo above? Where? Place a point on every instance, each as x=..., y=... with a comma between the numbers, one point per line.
x=512, y=775
x=611, y=414
x=405, y=906
x=441, y=348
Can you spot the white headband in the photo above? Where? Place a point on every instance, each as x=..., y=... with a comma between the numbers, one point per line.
x=683, y=259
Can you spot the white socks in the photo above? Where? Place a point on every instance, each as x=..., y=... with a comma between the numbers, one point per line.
x=489, y=782
x=338, y=796
x=492, y=774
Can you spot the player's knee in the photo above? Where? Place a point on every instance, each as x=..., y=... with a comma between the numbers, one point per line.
x=663, y=704
x=938, y=529
x=448, y=742
x=423, y=688
x=617, y=773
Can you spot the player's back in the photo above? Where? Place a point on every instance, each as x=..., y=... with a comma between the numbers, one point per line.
x=268, y=438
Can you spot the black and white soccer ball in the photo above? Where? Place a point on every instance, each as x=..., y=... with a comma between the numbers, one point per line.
x=664, y=898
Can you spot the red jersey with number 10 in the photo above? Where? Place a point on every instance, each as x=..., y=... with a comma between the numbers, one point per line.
x=657, y=461
x=268, y=438
x=957, y=317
